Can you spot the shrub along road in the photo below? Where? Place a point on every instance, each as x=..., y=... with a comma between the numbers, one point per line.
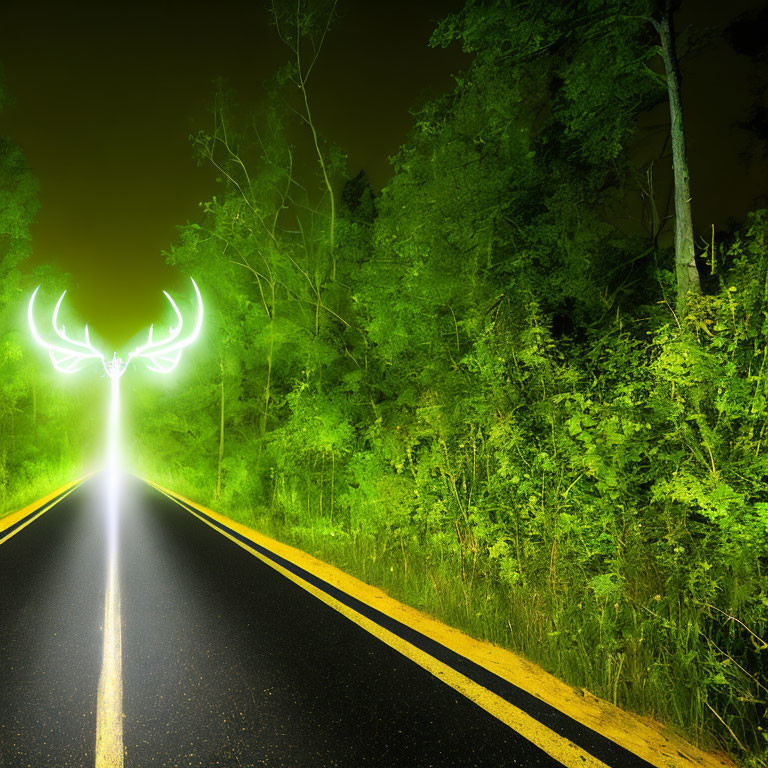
x=225, y=662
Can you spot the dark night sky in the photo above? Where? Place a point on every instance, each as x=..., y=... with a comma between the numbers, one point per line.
x=105, y=99
x=104, y=103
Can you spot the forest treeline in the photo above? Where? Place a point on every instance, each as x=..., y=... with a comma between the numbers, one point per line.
x=46, y=428
x=500, y=388
x=482, y=388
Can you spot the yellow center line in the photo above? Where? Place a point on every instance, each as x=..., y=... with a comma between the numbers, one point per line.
x=109, y=712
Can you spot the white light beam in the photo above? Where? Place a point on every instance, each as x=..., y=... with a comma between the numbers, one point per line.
x=68, y=356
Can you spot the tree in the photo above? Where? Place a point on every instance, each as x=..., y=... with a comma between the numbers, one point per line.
x=685, y=257
x=486, y=407
x=302, y=25
x=599, y=53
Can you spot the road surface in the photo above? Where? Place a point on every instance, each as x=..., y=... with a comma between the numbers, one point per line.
x=224, y=661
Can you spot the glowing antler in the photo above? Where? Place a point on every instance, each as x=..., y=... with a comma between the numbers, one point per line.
x=164, y=355
x=69, y=357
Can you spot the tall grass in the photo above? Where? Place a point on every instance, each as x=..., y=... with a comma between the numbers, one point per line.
x=33, y=481
x=569, y=631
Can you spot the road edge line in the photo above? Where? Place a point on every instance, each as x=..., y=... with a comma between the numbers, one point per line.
x=557, y=747
x=23, y=517
x=643, y=737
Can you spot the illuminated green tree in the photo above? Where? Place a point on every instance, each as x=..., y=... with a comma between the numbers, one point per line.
x=592, y=61
x=685, y=257
x=302, y=25
x=475, y=397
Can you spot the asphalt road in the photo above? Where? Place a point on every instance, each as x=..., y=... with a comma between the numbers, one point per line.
x=225, y=662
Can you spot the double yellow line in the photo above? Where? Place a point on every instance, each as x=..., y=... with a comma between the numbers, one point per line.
x=11, y=524
x=636, y=738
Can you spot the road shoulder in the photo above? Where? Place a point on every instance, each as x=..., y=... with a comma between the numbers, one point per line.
x=642, y=736
x=14, y=522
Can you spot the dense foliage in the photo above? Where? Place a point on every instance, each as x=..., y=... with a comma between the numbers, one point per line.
x=479, y=393
x=474, y=388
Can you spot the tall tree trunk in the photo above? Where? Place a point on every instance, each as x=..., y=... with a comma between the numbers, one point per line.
x=321, y=160
x=333, y=476
x=685, y=260
x=303, y=72
x=267, y=390
x=221, y=433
